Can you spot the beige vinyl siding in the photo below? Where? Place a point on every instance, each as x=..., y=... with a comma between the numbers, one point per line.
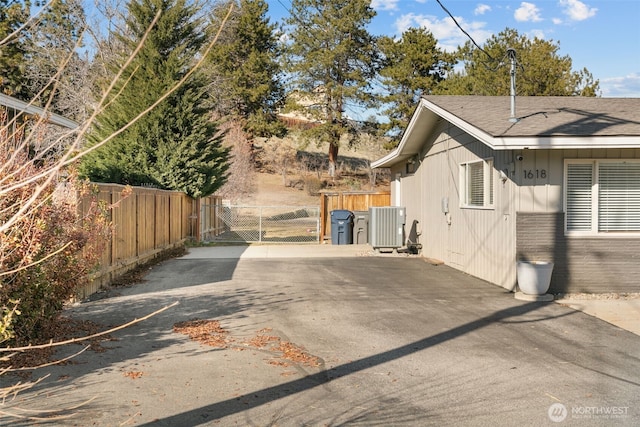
x=480, y=242
x=539, y=194
x=410, y=198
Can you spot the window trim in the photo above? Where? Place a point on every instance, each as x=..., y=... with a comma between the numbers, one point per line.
x=488, y=184
x=595, y=201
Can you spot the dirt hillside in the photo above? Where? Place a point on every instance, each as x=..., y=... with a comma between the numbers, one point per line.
x=271, y=191
x=306, y=174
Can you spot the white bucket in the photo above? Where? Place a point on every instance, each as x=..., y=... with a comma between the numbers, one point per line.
x=534, y=277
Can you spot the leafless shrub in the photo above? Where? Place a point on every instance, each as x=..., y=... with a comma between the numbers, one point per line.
x=279, y=154
x=313, y=163
x=313, y=185
x=10, y=392
x=38, y=233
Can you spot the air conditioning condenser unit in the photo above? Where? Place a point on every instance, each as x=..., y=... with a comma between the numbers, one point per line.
x=386, y=227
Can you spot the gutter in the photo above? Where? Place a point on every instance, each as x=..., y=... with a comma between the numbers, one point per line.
x=28, y=108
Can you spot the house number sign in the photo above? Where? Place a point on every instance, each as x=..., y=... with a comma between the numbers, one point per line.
x=535, y=173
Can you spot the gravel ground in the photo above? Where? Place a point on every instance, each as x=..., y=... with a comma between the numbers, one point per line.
x=604, y=296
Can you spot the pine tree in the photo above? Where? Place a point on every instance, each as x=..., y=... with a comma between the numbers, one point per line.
x=541, y=71
x=244, y=67
x=412, y=66
x=175, y=146
x=332, y=59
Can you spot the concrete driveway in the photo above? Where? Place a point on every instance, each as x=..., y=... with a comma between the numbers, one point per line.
x=389, y=340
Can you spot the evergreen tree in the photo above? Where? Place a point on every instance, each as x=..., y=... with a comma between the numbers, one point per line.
x=412, y=65
x=13, y=52
x=540, y=72
x=245, y=69
x=54, y=67
x=175, y=146
x=30, y=57
x=332, y=59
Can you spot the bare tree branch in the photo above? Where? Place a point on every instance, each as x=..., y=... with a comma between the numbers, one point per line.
x=89, y=337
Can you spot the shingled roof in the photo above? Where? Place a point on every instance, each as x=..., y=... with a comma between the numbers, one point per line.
x=542, y=122
x=545, y=115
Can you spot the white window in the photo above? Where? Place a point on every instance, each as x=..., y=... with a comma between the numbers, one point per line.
x=476, y=184
x=602, y=196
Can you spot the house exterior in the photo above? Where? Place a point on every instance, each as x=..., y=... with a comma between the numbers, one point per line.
x=489, y=181
x=303, y=109
x=17, y=107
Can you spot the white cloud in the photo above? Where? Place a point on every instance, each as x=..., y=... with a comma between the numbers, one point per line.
x=557, y=21
x=537, y=34
x=481, y=9
x=576, y=10
x=405, y=22
x=384, y=4
x=449, y=36
x=622, y=87
x=527, y=12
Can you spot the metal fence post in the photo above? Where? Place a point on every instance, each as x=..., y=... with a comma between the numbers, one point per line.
x=260, y=225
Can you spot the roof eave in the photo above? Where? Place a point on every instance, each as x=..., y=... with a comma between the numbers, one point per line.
x=427, y=112
x=561, y=142
x=25, y=107
x=536, y=142
x=412, y=139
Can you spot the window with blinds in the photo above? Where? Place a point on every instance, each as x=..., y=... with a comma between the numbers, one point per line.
x=476, y=184
x=619, y=196
x=602, y=196
x=578, y=212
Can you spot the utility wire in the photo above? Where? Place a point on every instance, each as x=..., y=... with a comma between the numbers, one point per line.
x=463, y=30
x=294, y=16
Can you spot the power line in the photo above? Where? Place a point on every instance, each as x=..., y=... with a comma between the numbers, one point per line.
x=285, y=7
x=294, y=16
x=464, y=31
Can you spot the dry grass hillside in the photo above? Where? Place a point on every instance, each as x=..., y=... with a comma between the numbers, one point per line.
x=279, y=172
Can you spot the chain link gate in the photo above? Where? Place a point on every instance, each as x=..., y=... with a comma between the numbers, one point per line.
x=268, y=224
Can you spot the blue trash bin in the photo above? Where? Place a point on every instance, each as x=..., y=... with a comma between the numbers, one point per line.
x=341, y=227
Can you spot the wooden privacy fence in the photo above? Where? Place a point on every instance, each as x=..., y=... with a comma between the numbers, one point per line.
x=145, y=223
x=352, y=201
x=149, y=221
x=208, y=223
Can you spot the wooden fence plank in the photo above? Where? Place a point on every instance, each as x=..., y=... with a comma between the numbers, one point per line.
x=145, y=223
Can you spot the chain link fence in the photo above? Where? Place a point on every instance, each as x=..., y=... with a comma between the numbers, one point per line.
x=268, y=224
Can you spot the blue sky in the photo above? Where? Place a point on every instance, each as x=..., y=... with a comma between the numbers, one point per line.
x=601, y=35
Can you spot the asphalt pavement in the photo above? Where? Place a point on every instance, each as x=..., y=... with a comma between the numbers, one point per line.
x=387, y=339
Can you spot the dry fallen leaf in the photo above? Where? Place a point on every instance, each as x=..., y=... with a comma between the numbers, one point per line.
x=134, y=375
x=208, y=332
x=261, y=341
x=297, y=354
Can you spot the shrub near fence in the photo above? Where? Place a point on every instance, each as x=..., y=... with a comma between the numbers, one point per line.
x=145, y=223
